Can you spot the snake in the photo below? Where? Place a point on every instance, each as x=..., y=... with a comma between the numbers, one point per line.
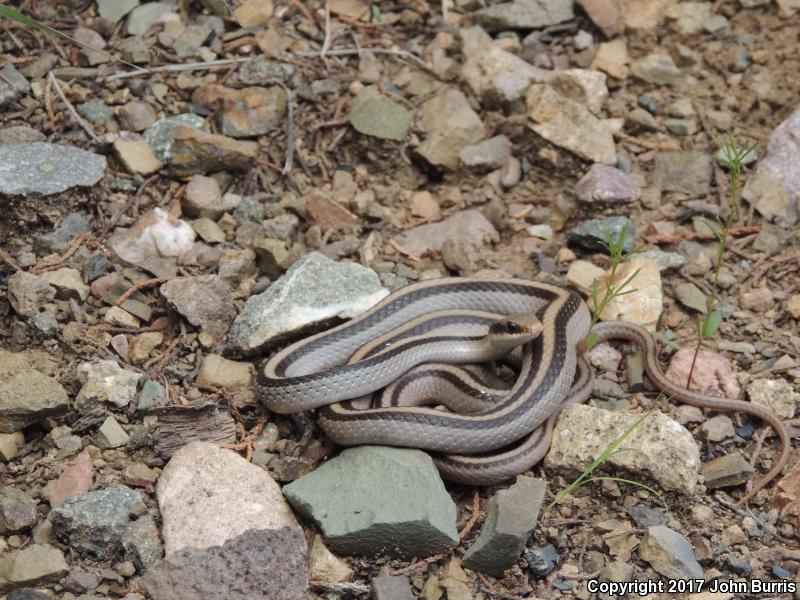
x=461, y=321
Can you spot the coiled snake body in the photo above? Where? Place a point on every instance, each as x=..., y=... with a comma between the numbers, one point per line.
x=500, y=432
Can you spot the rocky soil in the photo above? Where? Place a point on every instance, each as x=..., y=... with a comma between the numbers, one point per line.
x=285, y=165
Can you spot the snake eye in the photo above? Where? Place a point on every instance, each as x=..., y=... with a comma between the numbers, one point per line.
x=512, y=327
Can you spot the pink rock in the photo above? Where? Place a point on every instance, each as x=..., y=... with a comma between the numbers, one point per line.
x=76, y=478
x=712, y=374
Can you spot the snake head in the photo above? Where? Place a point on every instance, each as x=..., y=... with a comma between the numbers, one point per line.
x=514, y=330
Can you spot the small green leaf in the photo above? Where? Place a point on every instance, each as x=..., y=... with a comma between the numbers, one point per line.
x=591, y=340
x=711, y=324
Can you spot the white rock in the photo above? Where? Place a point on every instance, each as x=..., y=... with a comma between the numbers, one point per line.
x=776, y=395
x=105, y=381
x=208, y=495
x=644, y=301
x=581, y=85
x=155, y=236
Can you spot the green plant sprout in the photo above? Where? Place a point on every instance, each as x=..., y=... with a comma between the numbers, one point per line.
x=616, y=250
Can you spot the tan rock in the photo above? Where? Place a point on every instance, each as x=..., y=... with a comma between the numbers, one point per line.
x=612, y=58
x=793, y=306
x=136, y=156
x=644, y=300
x=253, y=13
x=326, y=567
x=582, y=273
x=142, y=345
x=216, y=371
x=117, y=316
x=424, y=205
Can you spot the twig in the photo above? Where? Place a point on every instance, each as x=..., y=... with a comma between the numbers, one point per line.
x=301, y=7
x=340, y=588
x=418, y=565
x=162, y=360
x=411, y=256
x=6, y=258
x=210, y=64
x=762, y=435
x=621, y=135
x=476, y=510
x=355, y=51
x=44, y=265
x=289, y=161
x=700, y=235
x=141, y=285
x=502, y=595
x=80, y=120
x=326, y=43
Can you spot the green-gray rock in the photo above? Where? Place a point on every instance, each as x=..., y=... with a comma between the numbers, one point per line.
x=669, y=553
x=42, y=169
x=726, y=471
x=378, y=500
x=27, y=396
x=145, y=15
x=111, y=434
x=161, y=135
x=114, y=10
x=593, y=235
x=692, y=297
x=376, y=115
x=35, y=565
x=525, y=14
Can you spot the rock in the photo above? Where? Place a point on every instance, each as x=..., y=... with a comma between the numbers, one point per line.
x=216, y=371
x=208, y=496
x=494, y=75
x=205, y=301
x=27, y=293
x=141, y=17
x=40, y=168
x=642, y=301
x=604, y=14
x=541, y=561
x=152, y=394
x=105, y=381
x=770, y=197
x=460, y=254
x=12, y=85
x=161, y=135
x=776, y=395
x=524, y=14
x=379, y=116
x=10, y=444
x=375, y=499
x=450, y=124
x=683, y=172
x=689, y=17
x=425, y=206
x=266, y=564
x=664, y=451
x=783, y=154
x=658, y=68
x=692, y=297
x=96, y=111
x=143, y=345
x=488, y=155
x=58, y=239
x=208, y=230
x=101, y=522
x=140, y=475
x=79, y=581
x=616, y=571
x=727, y=471
x=681, y=126
x=328, y=214
x=612, y=58
x=569, y=125
x=27, y=396
x=669, y=553
x=111, y=434
x=392, y=587
x=593, y=235
x=68, y=283
x=324, y=566
x=314, y=290
x=136, y=156
x=252, y=111
x=142, y=543
x=582, y=274
x=75, y=479
x=581, y=85
x=718, y=428
x=712, y=375
x=136, y=115
x=512, y=517
x=605, y=184
x=645, y=517
x=154, y=242
x=469, y=224
x=20, y=134
x=203, y=198
x=759, y=300
x=196, y=151
x=17, y=510
x=33, y=566
x=252, y=13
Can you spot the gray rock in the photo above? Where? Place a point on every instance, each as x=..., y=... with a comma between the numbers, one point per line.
x=525, y=14
x=17, y=510
x=136, y=115
x=27, y=396
x=664, y=260
x=606, y=184
x=111, y=434
x=161, y=135
x=717, y=428
x=617, y=571
x=253, y=111
x=738, y=565
x=691, y=296
x=783, y=154
x=206, y=301
x=20, y=134
x=644, y=516
x=262, y=70
x=681, y=126
x=143, y=16
x=541, y=561
x=43, y=326
x=379, y=116
x=32, y=566
x=593, y=235
x=28, y=293
x=68, y=284
x=79, y=581
x=683, y=172
x=511, y=519
x=40, y=168
x=460, y=254
x=12, y=85
x=142, y=543
x=669, y=553
x=450, y=124
x=27, y=593
x=152, y=394
x=193, y=37
x=314, y=290
x=469, y=224
x=661, y=450
x=97, y=522
x=657, y=67
x=494, y=75
x=392, y=587
x=95, y=111
x=727, y=471
x=44, y=62
x=771, y=197
x=265, y=564
x=58, y=239
x=776, y=395
x=105, y=381
x=378, y=500
x=569, y=125
x=113, y=10
x=488, y=155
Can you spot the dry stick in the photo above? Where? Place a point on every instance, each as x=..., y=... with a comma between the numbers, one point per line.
x=211, y=64
x=84, y=125
x=419, y=564
x=639, y=142
x=326, y=43
x=6, y=258
x=141, y=285
x=289, y=161
x=43, y=265
x=697, y=235
x=355, y=51
x=476, y=509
